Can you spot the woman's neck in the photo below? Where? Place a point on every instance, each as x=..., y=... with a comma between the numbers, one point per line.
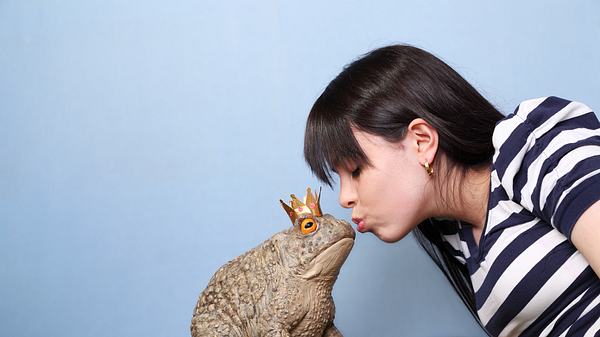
x=472, y=207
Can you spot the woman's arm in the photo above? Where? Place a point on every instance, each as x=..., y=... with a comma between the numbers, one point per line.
x=586, y=236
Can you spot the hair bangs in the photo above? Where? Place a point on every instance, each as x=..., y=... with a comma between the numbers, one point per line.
x=330, y=143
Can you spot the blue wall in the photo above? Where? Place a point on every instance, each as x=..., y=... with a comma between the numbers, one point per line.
x=145, y=143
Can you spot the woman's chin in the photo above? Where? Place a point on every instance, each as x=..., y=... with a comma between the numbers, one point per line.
x=389, y=237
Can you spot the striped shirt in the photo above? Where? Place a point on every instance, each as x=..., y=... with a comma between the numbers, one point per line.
x=528, y=278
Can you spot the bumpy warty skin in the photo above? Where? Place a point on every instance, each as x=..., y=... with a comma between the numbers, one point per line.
x=280, y=288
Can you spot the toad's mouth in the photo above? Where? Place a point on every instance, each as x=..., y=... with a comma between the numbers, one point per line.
x=329, y=262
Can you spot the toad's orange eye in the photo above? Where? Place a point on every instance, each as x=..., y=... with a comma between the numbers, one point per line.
x=308, y=226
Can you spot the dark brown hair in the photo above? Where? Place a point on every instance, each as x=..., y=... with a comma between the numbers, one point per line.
x=381, y=93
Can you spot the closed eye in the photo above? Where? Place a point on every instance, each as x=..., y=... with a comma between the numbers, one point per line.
x=356, y=172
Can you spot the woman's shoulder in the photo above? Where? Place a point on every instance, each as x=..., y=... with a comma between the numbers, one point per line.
x=541, y=108
x=534, y=117
x=547, y=159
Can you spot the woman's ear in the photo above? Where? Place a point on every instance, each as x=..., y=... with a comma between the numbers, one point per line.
x=424, y=138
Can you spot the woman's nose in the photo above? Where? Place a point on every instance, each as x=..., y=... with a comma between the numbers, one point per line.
x=347, y=196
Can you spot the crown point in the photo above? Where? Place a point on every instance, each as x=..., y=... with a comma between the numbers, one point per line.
x=308, y=207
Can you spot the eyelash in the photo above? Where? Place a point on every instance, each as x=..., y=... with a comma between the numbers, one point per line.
x=354, y=173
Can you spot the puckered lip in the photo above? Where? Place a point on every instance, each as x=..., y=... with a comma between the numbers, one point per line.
x=360, y=224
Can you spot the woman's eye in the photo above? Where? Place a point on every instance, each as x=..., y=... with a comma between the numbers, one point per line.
x=356, y=172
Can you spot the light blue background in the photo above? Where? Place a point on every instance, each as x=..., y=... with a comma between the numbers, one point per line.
x=145, y=143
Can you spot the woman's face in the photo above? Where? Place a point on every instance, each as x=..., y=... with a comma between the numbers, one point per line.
x=387, y=198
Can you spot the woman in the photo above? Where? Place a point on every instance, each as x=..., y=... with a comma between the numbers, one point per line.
x=506, y=206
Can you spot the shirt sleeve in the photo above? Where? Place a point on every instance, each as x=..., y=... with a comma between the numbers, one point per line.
x=548, y=159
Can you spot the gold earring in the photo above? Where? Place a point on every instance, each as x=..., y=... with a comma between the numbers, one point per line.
x=428, y=168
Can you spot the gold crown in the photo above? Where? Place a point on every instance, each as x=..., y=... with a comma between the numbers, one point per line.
x=302, y=209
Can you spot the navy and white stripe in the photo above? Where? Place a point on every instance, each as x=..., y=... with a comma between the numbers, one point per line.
x=528, y=278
